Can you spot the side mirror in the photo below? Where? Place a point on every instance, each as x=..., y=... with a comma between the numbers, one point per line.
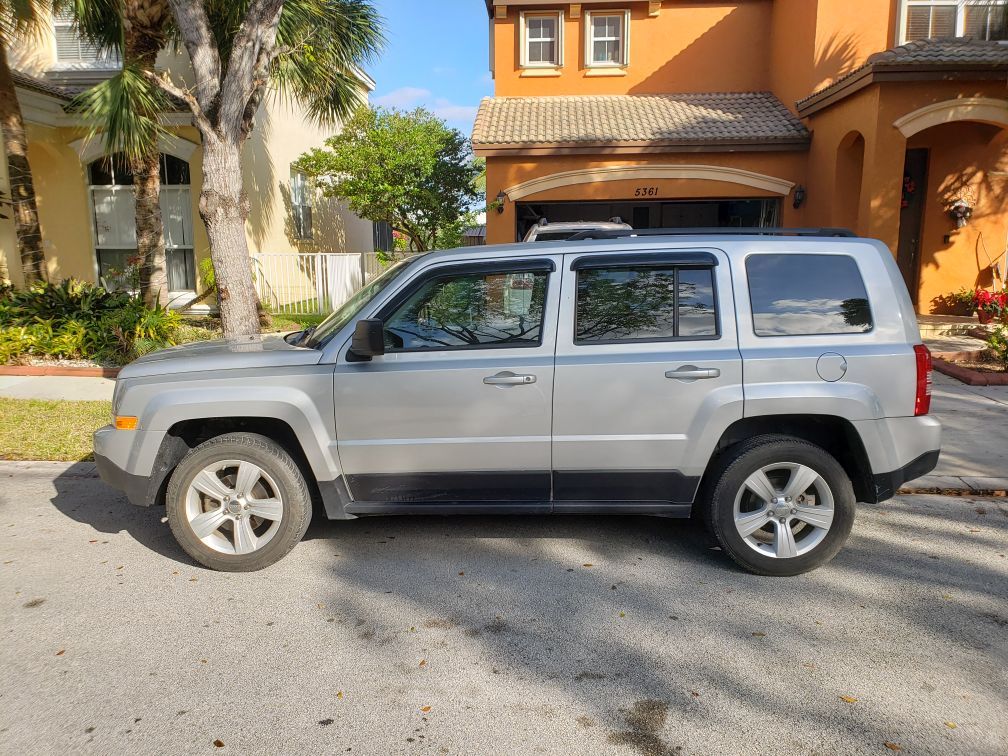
x=368, y=339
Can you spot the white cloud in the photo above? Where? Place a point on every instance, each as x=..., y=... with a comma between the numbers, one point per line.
x=451, y=112
x=404, y=97
x=408, y=98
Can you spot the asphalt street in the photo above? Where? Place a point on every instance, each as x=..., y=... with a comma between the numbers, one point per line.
x=497, y=635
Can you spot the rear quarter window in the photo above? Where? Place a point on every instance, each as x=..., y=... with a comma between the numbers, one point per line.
x=803, y=295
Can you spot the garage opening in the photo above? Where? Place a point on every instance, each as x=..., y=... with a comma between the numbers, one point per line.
x=760, y=213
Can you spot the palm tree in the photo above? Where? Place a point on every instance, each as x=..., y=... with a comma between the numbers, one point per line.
x=127, y=109
x=20, y=18
x=309, y=51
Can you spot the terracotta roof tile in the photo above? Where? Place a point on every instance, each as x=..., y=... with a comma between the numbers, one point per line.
x=957, y=53
x=24, y=81
x=685, y=119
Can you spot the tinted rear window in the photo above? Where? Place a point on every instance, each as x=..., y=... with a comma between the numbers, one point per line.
x=799, y=295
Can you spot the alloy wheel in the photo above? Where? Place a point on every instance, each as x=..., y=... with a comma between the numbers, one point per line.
x=234, y=506
x=784, y=510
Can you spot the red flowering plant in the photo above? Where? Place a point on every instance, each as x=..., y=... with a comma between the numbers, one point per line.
x=991, y=305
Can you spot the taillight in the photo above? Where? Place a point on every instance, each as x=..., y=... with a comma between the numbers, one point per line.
x=922, y=401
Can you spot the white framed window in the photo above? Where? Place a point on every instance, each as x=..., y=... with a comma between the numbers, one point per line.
x=607, y=38
x=931, y=19
x=542, y=39
x=72, y=51
x=113, y=219
x=301, y=204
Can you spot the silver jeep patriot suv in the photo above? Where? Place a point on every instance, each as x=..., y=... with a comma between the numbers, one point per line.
x=764, y=380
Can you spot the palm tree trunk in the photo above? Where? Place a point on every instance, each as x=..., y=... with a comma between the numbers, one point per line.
x=26, y=222
x=142, y=49
x=224, y=208
x=150, y=231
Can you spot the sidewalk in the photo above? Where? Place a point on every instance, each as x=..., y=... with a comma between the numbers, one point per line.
x=974, y=418
x=974, y=437
x=56, y=387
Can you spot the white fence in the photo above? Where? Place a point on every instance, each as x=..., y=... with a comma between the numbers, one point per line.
x=311, y=283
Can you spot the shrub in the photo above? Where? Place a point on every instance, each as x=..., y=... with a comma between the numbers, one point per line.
x=76, y=319
x=997, y=345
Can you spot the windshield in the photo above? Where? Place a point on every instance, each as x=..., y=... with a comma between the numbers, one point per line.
x=349, y=309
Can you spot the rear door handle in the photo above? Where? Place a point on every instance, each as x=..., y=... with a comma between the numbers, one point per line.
x=507, y=378
x=691, y=373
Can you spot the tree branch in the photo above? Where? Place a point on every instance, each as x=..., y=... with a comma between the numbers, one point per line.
x=253, y=44
x=194, y=26
x=172, y=90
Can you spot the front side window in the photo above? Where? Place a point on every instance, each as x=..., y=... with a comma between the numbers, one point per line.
x=801, y=295
x=74, y=51
x=933, y=19
x=607, y=39
x=113, y=206
x=470, y=310
x=542, y=43
x=627, y=304
x=301, y=204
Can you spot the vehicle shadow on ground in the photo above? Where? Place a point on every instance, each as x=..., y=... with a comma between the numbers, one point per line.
x=88, y=500
x=543, y=599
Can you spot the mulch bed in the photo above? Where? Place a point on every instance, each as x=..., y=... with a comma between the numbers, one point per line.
x=71, y=370
x=974, y=372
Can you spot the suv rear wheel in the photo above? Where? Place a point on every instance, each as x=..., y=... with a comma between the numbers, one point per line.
x=781, y=506
x=238, y=502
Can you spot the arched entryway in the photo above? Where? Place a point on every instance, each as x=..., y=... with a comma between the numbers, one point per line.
x=956, y=154
x=847, y=186
x=651, y=196
x=110, y=191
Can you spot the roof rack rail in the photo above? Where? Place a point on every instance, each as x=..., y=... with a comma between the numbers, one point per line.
x=714, y=231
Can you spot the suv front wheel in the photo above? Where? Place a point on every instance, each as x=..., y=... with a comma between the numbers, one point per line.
x=238, y=502
x=781, y=506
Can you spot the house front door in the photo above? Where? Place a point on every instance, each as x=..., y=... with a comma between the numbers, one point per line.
x=911, y=218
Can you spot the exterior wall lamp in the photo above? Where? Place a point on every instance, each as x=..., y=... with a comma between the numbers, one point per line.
x=960, y=211
x=799, y=196
x=500, y=202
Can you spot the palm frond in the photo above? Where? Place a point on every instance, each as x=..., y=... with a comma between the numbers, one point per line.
x=21, y=19
x=99, y=22
x=126, y=110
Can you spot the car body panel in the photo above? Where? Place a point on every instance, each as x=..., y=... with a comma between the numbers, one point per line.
x=601, y=429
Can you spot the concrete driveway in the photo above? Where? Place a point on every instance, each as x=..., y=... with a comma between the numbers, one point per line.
x=623, y=635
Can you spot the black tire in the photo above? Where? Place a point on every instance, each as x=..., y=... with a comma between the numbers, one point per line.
x=741, y=461
x=273, y=460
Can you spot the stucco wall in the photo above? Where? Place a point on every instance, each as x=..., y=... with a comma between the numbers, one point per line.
x=282, y=133
x=689, y=47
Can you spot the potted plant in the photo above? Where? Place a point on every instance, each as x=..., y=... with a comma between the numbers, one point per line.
x=991, y=305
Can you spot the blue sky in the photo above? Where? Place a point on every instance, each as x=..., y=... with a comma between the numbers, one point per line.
x=436, y=57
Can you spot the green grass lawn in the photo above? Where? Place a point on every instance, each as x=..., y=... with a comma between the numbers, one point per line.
x=56, y=430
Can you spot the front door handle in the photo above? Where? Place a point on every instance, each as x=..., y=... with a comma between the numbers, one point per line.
x=507, y=378
x=692, y=373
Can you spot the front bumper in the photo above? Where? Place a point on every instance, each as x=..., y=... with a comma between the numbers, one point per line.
x=108, y=451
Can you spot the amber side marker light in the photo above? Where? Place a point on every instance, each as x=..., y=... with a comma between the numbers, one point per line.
x=123, y=422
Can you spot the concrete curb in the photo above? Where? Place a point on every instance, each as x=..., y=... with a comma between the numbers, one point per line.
x=80, y=372
x=81, y=469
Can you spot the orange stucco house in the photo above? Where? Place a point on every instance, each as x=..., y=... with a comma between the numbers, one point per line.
x=876, y=115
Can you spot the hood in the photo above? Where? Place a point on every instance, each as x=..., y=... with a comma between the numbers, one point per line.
x=222, y=354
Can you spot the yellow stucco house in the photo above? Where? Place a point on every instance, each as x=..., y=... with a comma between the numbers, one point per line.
x=878, y=115
x=85, y=199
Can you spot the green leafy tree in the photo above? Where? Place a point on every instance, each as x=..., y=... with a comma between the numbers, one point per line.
x=408, y=169
x=20, y=19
